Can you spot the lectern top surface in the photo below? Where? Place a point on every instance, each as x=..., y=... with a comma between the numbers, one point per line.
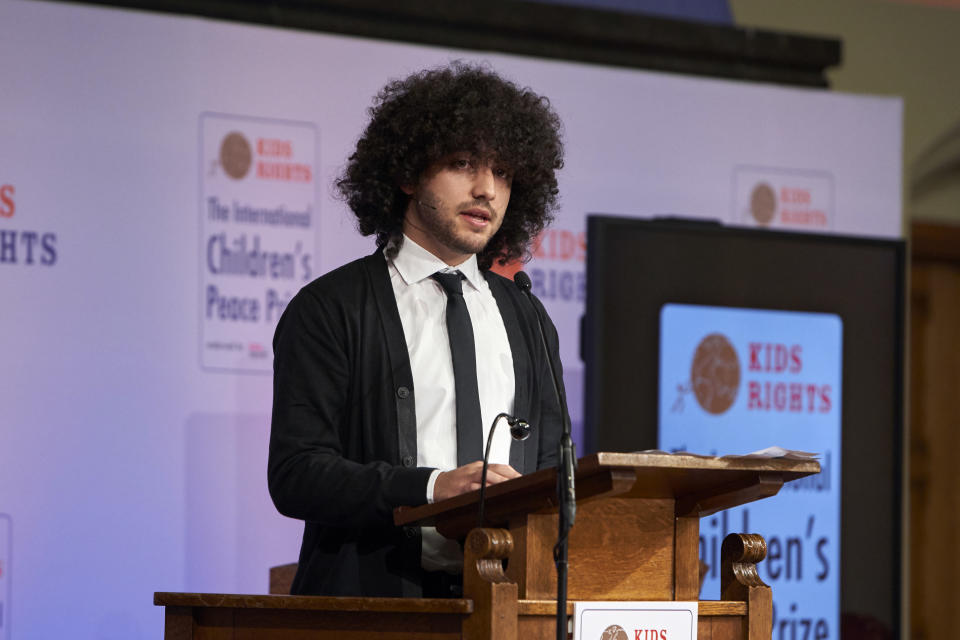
x=796, y=468
x=699, y=484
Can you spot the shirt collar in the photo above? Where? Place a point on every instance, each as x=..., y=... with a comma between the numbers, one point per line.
x=414, y=263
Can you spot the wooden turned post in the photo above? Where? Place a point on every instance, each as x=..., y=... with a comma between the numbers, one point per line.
x=739, y=580
x=178, y=623
x=494, y=596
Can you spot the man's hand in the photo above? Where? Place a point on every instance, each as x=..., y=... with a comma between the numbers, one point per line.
x=467, y=478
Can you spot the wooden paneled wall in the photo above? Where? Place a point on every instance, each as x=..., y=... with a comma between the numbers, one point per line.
x=935, y=431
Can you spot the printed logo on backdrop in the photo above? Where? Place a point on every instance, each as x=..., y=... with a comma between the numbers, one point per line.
x=715, y=378
x=22, y=246
x=715, y=374
x=6, y=547
x=780, y=198
x=733, y=381
x=557, y=273
x=258, y=217
x=235, y=155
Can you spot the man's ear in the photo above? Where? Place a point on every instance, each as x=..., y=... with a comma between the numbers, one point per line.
x=407, y=189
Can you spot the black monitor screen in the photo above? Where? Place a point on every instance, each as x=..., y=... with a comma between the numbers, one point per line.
x=723, y=340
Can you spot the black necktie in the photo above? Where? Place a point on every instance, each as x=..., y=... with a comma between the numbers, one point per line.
x=469, y=427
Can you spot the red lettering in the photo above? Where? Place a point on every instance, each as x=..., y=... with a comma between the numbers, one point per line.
x=755, y=356
x=780, y=396
x=286, y=172
x=796, y=195
x=811, y=217
x=753, y=401
x=783, y=396
x=567, y=245
x=7, y=207
x=811, y=396
x=274, y=148
x=780, y=356
x=795, y=362
x=796, y=397
x=663, y=634
x=560, y=244
x=775, y=357
x=825, y=404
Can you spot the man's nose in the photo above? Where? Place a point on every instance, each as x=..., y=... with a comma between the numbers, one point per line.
x=484, y=184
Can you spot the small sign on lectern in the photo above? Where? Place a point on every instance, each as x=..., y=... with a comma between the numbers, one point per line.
x=635, y=621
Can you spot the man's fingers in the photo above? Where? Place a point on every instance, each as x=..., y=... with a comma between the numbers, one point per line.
x=504, y=470
x=467, y=478
x=500, y=473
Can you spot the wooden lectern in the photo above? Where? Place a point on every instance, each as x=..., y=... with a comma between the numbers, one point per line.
x=636, y=538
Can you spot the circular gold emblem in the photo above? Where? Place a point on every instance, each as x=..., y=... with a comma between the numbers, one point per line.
x=614, y=632
x=715, y=374
x=235, y=155
x=763, y=203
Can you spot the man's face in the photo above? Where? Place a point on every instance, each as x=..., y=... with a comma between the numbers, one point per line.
x=457, y=206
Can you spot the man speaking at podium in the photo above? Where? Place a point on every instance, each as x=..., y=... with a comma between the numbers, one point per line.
x=389, y=370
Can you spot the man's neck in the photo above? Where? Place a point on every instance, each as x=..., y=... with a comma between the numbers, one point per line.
x=415, y=262
x=442, y=252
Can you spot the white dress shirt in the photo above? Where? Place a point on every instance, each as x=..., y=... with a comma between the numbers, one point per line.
x=422, y=304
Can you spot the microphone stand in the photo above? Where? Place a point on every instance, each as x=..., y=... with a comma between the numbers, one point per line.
x=566, y=494
x=566, y=467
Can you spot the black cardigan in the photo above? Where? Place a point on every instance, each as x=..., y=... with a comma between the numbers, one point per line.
x=343, y=441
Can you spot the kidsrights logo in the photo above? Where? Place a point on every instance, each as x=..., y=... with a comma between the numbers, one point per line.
x=614, y=632
x=236, y=156
x=773, y=197
x=774, y=377
x=258, y=243
x=715, y=374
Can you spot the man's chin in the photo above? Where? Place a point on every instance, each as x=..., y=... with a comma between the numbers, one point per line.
x=472, y=243
x=478, y=246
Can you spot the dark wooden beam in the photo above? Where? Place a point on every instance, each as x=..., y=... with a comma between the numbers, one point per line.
x=559, y=32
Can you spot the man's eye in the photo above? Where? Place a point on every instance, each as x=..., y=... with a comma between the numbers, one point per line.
x=502, y=173
x=461, y=163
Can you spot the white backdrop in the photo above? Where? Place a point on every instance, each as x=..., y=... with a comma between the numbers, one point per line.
x=129, y=464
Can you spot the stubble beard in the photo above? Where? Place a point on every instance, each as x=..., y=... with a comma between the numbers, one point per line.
x=444, y=227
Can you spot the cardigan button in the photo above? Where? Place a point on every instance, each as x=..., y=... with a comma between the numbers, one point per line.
x=408, y=461
x=403, y=392
x=409, y=532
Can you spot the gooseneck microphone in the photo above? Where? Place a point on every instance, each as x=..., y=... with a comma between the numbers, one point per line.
x=520, y=430
x=566, y=465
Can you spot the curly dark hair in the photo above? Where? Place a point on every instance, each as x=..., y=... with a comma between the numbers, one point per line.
x=417, y=121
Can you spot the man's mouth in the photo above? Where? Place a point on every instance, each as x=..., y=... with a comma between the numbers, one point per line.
x=477, y=216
